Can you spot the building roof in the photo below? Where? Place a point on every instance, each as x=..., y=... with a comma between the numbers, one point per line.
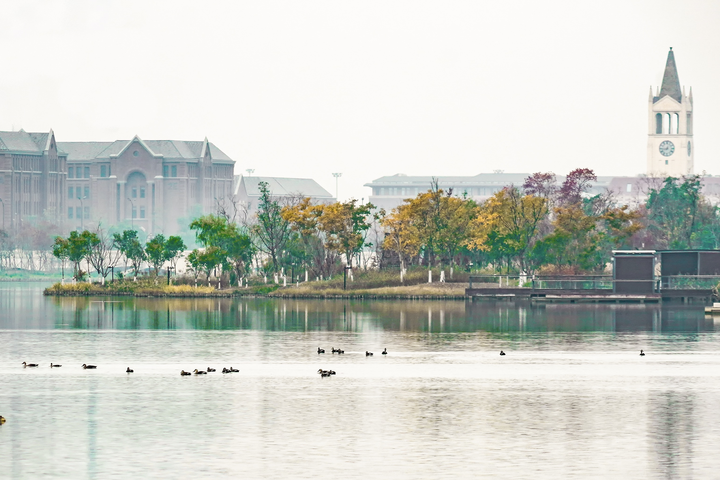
x=24, y=142
x=502, y=179
x=671, y=82
x=168, y=149
x=284, y=186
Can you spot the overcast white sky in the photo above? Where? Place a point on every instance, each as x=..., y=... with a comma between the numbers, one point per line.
x=372, y=88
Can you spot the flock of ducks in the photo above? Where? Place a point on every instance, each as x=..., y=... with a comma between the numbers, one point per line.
x=85, y=366
x=183, y=373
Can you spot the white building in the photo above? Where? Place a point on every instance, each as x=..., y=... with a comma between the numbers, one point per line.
x=670, y=148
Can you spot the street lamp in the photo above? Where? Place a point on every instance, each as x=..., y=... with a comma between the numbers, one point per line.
x=250, y=171
x=336, y=175
x=132, y=214
x=82, y=212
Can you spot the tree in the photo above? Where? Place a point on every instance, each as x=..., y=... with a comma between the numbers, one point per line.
x=75, y=248
x=61, y=250
x=675, y=212
x=345, y=226
x=156, y=252
x=271, y=231
x=225, y=244
x=576, y=183
x=174, y=248
x=542, y=185
x=309, y=246
x=401, y=234
x=507, y=226
x=102, y=255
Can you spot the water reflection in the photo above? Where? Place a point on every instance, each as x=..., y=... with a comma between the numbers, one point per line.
x=671, y=416
x=26, y=308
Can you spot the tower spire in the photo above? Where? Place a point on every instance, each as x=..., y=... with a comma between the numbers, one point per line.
x=671, y=82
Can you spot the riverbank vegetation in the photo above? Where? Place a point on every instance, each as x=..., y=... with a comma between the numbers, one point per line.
x=541, y=227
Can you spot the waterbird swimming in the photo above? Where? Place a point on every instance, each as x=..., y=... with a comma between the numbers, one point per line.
x=384, y=352
x=2, y=419
x=234, y=370
x=183, y=373
x=210, y=369
x=129, y=370
x=368, y=354
x=225, y=370
x=502, y=353
x=54, y=365
x=88, y=366
x=642, y=354
x=320, y=350
x=199, y=372
x=30, y=364
x=323, y=373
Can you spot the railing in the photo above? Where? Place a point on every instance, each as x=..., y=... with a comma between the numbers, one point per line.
x=592, y=282
x=689, y=282
x=557, y=282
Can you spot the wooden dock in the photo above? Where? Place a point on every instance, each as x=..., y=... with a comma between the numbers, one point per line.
x=589, y=295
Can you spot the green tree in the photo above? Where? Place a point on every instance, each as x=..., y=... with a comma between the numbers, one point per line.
x=156, y=252
x=272, y=230
x=174, y=248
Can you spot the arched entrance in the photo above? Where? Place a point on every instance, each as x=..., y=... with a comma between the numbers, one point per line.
x=137, y=196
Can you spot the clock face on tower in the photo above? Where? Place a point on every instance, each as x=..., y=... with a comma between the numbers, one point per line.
x=667, y=148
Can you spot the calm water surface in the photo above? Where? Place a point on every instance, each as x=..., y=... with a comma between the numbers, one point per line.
x=572, y=399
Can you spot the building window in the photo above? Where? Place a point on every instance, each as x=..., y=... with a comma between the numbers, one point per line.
x=86, y=172
x=78, y=212
x=70, y=212
x=142, y=212
x=87, y=213
x=142, y=192
x=87, y=192
x=629, y=187
x=70, y=173
x=165, y=171
x=103, y=171
x=173, y=171
x=134, y=212
x=70, y=193
x=134, y=192
x=666, y=162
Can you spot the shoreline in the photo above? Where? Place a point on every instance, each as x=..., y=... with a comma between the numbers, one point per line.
x=414, y=292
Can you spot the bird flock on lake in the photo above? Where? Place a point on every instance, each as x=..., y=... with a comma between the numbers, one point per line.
x=183, y=373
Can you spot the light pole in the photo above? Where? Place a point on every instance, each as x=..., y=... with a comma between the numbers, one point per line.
x=250, y=171
x=336, y=175
x=82, y=212
x=132, y=214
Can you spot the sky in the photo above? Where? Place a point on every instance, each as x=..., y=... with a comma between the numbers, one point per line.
x=365, y=89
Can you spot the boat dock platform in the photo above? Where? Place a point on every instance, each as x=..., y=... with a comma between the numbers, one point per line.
x=590, y=295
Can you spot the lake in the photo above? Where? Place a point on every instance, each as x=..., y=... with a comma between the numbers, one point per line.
x=571, y=399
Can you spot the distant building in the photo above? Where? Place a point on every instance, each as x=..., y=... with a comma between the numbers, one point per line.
x=670, y=148
x=148, y=184
x=247, y=190
x=32, y=178
x=389, y=192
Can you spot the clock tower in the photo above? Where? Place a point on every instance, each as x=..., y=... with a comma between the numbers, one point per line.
x=671, y=149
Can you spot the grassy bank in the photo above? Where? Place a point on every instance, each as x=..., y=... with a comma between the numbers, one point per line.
x=141, y=288
x=369, y=285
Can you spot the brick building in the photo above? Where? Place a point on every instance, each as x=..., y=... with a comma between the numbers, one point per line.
x=148, y=185
x=32, y=178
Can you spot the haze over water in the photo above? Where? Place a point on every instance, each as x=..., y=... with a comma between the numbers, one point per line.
x=572, y=398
